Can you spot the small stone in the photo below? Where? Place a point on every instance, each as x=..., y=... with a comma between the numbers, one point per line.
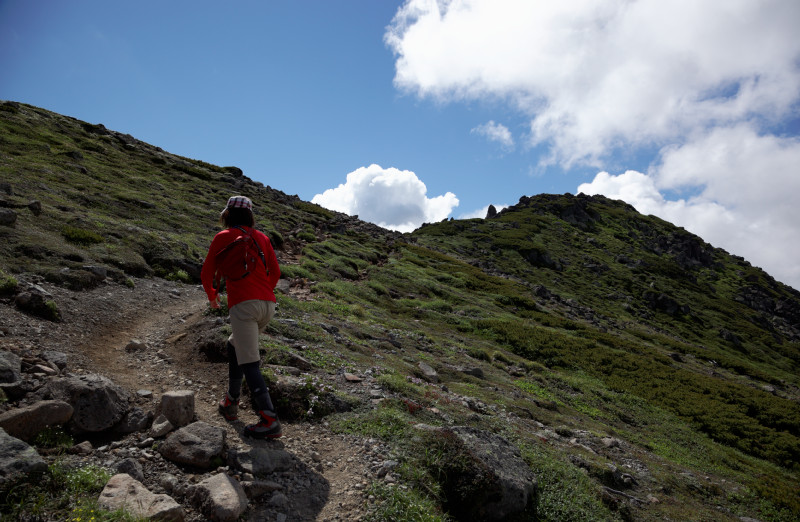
x=135, y=345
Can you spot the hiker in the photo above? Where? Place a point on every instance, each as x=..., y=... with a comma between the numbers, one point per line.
x=251, y=303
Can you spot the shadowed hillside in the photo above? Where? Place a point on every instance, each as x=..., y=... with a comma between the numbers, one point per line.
x=642, y=373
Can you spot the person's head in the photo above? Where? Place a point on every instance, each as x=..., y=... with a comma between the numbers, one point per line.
x=238, y=212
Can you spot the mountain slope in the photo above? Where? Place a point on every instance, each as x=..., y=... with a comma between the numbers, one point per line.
x=562, y=323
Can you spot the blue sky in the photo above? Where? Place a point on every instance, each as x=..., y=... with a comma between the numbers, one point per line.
x=410, y=111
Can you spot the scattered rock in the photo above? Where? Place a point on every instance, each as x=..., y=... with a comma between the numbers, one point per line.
x=28, y=421
x=260, y=461
x=258, y=488
x=131, y=467
x=161, y=426
x=198, y=444
x=428, y=373
x=17, y=457
x=135, y=346
x=123, y=491
x=99, y=404
x=220, y=498
x=135, y=420
x=7, y=217
x=56, y=359
x=37, y=302
x=10, y=368
x=35, y=207
x=178, y=407
x=84, y=448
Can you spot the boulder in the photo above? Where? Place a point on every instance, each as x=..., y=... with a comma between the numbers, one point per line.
x=57, y=360
x=125, y=492
x=428, y=373
x=485, y=478
x=178, y=407
x=131, y=467
x=7, y=217
x=199, y=445
x=17, y=457
x=26, y=422
x=35, y=207
x=220, y=498
x=10, y=368
x=260, y=461
x=39, y=304
x=99, y=404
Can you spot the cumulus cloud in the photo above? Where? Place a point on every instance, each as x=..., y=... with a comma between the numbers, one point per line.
x=496, y=132
x=740, y=181
x=595, y=75
x=391, y=198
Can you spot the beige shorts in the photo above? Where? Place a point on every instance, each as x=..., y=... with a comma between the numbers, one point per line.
x=248, y=318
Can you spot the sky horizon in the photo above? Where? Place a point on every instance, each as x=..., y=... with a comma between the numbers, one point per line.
x=405, y=112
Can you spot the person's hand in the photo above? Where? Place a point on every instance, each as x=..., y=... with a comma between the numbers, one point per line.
x=214, y=303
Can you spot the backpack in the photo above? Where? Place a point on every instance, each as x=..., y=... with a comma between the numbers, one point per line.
x=238, y=259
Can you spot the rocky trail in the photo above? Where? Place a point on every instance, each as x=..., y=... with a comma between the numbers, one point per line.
x=144, y=339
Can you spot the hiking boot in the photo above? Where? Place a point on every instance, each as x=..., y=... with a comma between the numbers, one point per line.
x=229, y=408
x=267, y=427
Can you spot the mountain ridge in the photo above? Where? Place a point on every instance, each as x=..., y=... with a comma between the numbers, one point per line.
x=591, y=311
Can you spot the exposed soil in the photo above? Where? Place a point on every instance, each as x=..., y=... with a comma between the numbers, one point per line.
x=98, y=324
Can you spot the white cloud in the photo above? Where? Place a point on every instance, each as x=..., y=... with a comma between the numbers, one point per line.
x=391, y=198
x=745, y=184
x=594, y=75
x=496, y=132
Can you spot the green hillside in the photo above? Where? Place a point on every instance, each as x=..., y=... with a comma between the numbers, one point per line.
x=561, y=323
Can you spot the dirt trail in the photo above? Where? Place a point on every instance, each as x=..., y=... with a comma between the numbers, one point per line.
x=330, y=472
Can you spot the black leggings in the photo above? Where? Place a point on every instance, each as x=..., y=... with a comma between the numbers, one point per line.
x=255, y=381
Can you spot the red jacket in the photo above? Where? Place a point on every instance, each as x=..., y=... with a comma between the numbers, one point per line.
x=258, y=285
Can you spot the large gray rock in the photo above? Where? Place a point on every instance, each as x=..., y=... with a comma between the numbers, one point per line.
x=198, y=444
x=485, y=477
x=220, y=498
x=7, y=217
x=260, y=461
x=428, y=373
x=17, y=457
x=26, y=422
x=10, y=368
x=99, y=403
x=178, y=407
x=125, y=492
